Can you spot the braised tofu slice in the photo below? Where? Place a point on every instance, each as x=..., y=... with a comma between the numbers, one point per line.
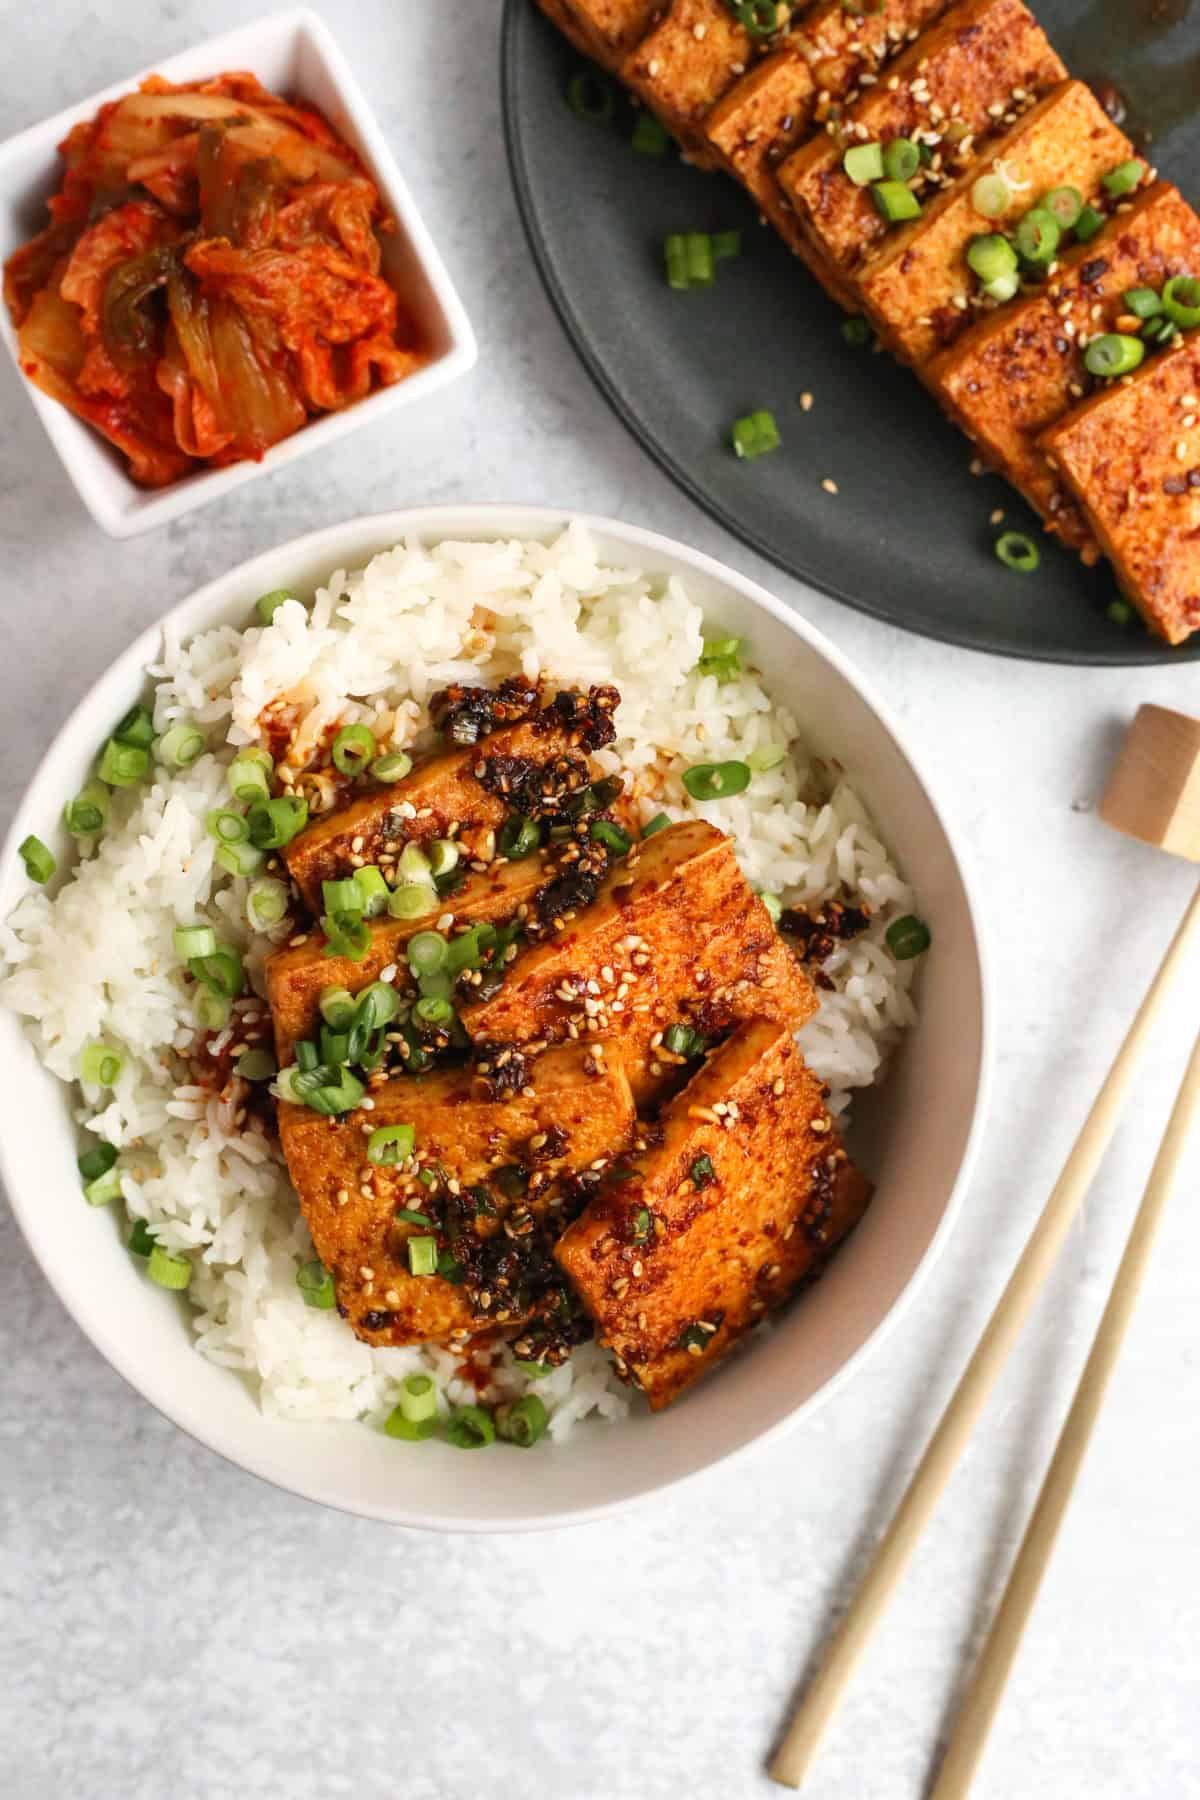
x=966, y=79
x=694, y=1239
x=605, y=30
x=676, y=932
x=1131, y=457
x=685, y=62
x=562, y=1121
x=764, y=115
x=1022, y=367
x=917, y=287
x=296, y=975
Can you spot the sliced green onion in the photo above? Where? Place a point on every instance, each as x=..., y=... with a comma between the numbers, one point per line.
x=1142, y=302
x=431, y=1010
x=38, y=859
x=306, y=1056
x=1088, y=224
x=1113, y=354
x=239, y=859
x=406, y=1216
x=86, y=813
x=721, y=657
x=1065, y=204
x=422, y=1255
x=714, y=781
x=895, y=201
x=591, y=97
x=328, y=1091
x=532, y=1371
x=1038, y=235
x=863, y=163
x=393, y=766
x=172, y=1272
x=991, y=256
x=470, y=1428
x=701, y=264
x=604, y=831
x=377, y=1005
x=1120, y=612
x=991, y=195
x=181, y=745
x=1003, y=287
x=1124, y=178
x=908, y=937
x=374, y=890
x=342, y=896
x=755, y=434
x=726, y=245
x=123, y=765
x=418, y=1398
x=335, y=1046
x=702, y=1173
x=443, y=857
x=1160, y=331
x=104, y=1189
x=466, y=951
x=413, y=900
x=267, y=902
x=267, y=605
x=650, y=135
x=347, y=934
x=774, y=906
x=136, y=728
x=353, y=749
x=676, y=260
x=681, y=1040
x=642, y=1225
x=212, y=1011
x=397, y=1426
x=659, y=822
x=256, y=1065
x=141, y=1239
x=766, y=757
x=523, y=1422
x=97, y=1161
x=428, y=953
x=1016, y=551
x=519, y=837
x=100, y=1064
x=390, y=1144
x=220, y=971
x=316, y=1285
x=274, y=823
x=226, y=826
x=414, y=865
x=337, y=1007
x=193, y=940
x=250, y=778
x=856, y=331
x=901, y=159
x=1181, y=301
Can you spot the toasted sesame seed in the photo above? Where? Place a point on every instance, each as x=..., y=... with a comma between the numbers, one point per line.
x=829, y=485
x=806, y=401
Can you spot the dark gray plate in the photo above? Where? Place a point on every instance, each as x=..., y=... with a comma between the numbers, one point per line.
x=907, y=536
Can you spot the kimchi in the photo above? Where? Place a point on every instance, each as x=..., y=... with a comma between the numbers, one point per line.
x=210, y=278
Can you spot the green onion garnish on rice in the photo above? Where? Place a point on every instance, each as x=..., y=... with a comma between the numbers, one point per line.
x=393, y=766
x=212, y=1012
x=239, y=859
x=715, y=781
x=767, y=757
x=181, y=745
x=316, y=1285
x=411, y=1431
x=220, y=971
x=774, y=906
x=194, y=940
x=267, y=605
x=274, y=823
x=100, y=1064
x=87, y=812
x=908, y=937
x=97, y=1161
x=256, y=1065
x=522, y=1422
x=38, y=859
x=470, y=1428
x=353, y=749
x=250, y=776
x=104, y=1190
x=172, y=1272
x=266, y=903
x=123, y=765
x=226, y=826
x=721, y=657
x=418, y=1398
x=136, y=728
x=141, y=1239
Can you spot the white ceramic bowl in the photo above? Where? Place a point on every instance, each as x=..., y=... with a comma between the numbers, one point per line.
x=291, y=53
x=915, y=1134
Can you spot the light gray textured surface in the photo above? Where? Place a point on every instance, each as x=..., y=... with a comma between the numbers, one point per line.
x=171, y=1627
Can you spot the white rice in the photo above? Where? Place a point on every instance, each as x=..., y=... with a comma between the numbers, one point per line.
x=97, y=959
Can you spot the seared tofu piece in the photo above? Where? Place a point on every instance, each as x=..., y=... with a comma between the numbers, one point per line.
x=1022, y=367
x=1131, y=457
x=916, y=286
x=686, y=61
x=443, y=797
x=695, y=1239
x=674, y=932
x=605, y=30
x=296, y=975
x=564, y=1120
x=968, y=78
x=764, y=115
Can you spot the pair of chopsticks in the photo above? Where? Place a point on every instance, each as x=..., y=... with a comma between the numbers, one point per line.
x=1154, y=795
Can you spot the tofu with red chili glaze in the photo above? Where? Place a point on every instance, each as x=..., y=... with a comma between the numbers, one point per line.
x=737, y=1199
x=963, y=81
x=603, y=29
x=1131, y=456
x=1021, y=368
x=767, y=112
x=537, y=759
x=675, y=933
x=690, y=56
x=296, y=975
x=557, y=1122
x=916, y=286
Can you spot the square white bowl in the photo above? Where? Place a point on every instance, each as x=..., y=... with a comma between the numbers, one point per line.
x=290, y=53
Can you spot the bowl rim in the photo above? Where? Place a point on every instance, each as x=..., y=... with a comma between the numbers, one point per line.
x=143, y=509
x=481, y=520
